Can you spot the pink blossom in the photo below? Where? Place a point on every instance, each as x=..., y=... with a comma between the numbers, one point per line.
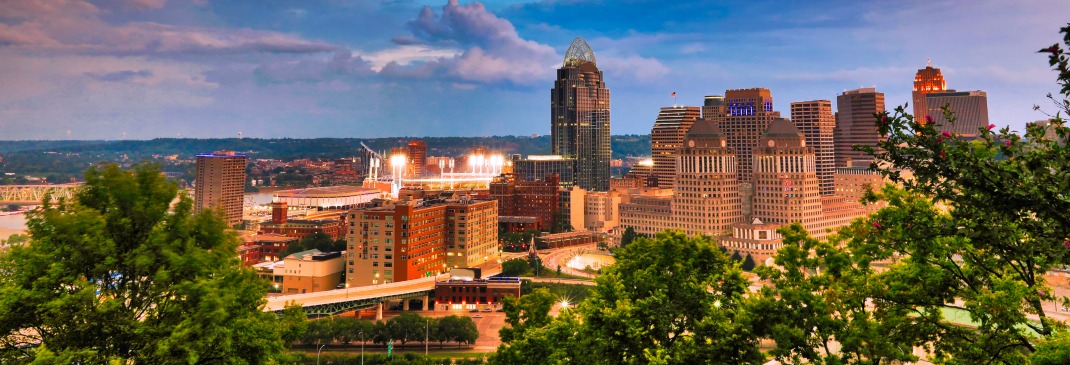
x=946, y=134
x=939, y=139
x=876, y=225
x=928, y=119
x=990, y=126
x=1008, y=143
x=1066, y=244
x=1042, y=293
x=884, y=119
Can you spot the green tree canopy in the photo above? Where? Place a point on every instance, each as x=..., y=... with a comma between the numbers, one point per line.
x=124, y=272
x=669, y=300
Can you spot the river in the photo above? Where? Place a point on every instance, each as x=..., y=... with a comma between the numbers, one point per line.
x=11, y=224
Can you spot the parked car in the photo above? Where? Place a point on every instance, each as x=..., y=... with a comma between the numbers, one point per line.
x=477, y=316
x=487, y=310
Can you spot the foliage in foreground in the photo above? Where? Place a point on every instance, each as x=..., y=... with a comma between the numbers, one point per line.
x=670, y=300
x=119, y=274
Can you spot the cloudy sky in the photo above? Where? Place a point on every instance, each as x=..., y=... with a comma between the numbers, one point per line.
x=114, y=69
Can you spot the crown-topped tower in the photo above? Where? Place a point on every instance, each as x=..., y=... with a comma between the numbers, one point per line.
x=579, y=117
x=927, y=81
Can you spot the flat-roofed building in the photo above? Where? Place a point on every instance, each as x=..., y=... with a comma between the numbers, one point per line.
x=310, y=271
x=475, y=294
x=666, y=138
x=327, y=198
x=537, y=167
x=263, y=247
x=856, y=124
x=220, y=184
x=970, y=110
x=409, y=239
x=816, y=122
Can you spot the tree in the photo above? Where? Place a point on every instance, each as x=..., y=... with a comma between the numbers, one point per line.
x=13, y=207
x=406, y=327
x=748, y=263
x=671, y=300
x=319, y=241
x=293, y=324
x=320, y=332
x=819, y=300
x=628, y=236
x=119, y=274
x=971, y=234
x=515, y=267
x=736, y=257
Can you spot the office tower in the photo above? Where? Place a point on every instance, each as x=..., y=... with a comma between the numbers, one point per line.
x=748, y=113
x=418, y=157
x=667, y=136
x=221, y=184
x=786, y=185
x=706, y=199
x=410, y=239
x=814, y=119
x=970, y=108
x=928, y=80
x=537, y=167
x=713, y=108
x=579, y=117
x=856, y=124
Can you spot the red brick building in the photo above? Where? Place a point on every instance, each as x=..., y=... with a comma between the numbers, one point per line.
x=263, y=247
x=475, y=294
x=331, y=224
x=527, y=198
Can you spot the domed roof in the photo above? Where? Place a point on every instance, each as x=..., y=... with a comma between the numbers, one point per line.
x=782, y=127
x=578, y=53
x=704, y=128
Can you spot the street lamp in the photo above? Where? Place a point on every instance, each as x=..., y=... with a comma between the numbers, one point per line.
x=362, y=341
x=347, y=291
x=318, y=354
x=427, y=332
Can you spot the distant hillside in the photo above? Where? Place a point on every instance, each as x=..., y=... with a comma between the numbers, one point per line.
x=73, y=157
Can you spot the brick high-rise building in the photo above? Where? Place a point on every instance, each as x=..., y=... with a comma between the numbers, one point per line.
x=409, y=239
x=786, y=185
x=816, y=122
x=221, y=184
x=579, y=117
x=666, y=138
x=928, y=80
x=706, y=195
x=537, y=167
x=749, y=113
x=418, y=157
x=856, y=124
x=970, y=108
x=528, y=198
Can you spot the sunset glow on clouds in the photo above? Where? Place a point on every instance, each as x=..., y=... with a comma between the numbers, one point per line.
x=370, y=68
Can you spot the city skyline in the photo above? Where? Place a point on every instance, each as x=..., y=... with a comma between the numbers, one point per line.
x=203, y=69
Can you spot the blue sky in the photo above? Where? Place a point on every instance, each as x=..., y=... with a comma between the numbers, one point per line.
x=139, y=69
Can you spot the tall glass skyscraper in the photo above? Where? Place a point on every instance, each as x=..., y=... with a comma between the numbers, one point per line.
x=579, y=112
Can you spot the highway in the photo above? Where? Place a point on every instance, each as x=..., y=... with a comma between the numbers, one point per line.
x=367, y=293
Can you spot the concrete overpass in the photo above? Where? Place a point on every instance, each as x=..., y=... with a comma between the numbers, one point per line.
x=332, y=302
x=34, y=194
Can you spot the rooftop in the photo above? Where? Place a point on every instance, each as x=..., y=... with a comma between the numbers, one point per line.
x=325, y=192
x=578, y=53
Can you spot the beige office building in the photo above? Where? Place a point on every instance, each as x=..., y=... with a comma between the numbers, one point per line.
x=706, y=200
x=748, y=113
x=220, y=184
x=647, y=211
x=666, y=138
x=310, y=271
x=785, y=175
x=816, y=122
x=970, y=108
x=856, y=124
